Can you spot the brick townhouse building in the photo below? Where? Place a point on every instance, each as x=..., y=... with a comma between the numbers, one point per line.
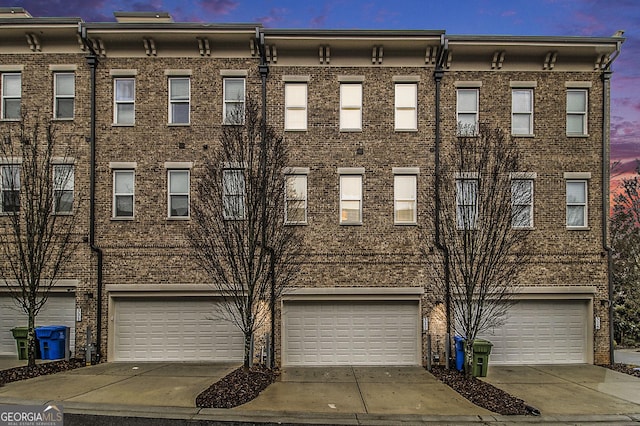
x=363, y=113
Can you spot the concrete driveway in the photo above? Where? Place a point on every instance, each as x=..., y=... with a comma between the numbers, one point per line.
x=569, y=389
x=627, y=356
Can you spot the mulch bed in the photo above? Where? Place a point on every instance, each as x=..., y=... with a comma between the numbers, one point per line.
x=26, y=372
x=481, y=393
x=632, y=370
x=237, y=388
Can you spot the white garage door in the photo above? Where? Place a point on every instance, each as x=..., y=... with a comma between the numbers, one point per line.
x=344, y=333
x=174, y=329
x=542, y=332
x=59, y=310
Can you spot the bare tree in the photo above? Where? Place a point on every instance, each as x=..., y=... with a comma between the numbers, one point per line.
x=239, y=235
x=485, y=220
x=37, y=225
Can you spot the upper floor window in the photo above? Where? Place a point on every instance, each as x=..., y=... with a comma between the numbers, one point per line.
x=63, y=188
x=405, y=199
x=179, y=100
x=64, y=88
x=124, y=101
x=234, y=98
x=577, y=112
x=576, y=203
x=522, y=112
x=11, y=95
x=178, y=193
x=522, y=203
x=123, y=193
x=406, y=106
x=350, y=199
x=467, y=111
x=467, y=203
x=351, y=106
x=10, y=188
x=233, y=194
x=295, y=106
x=295, y=199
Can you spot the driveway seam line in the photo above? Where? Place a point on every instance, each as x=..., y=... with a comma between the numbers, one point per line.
x=366, y=409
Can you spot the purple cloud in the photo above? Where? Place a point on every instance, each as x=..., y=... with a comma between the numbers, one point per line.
x=219, y=7
x=274, y=17
x=90, y=11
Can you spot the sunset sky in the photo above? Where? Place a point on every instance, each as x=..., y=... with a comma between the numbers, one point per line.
x=600, y=18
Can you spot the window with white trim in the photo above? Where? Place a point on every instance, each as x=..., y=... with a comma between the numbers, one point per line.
x=350, y=199
x=406, y=106
x=577, y=112
x=522, y=203
x=295, y=199
x=405, y=199
x=63, y=188
x=179, y=100
x=233, y=194
x=576, y=203
x=124, y=90
x=295, y=106
x=64, y=89
x=351, y=106
x=178, y=193
x=522, y=112
x=10, y=188
x=467, y=111
x=234, y=98
x=467, y=203
x=11, y=95
x=123, y=193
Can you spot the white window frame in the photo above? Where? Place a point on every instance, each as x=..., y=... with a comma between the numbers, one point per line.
x=296, y=198
x=293, y=108
x=412, y=199
x=12, y=186
x=174, y=102
x=58, y=96
x=583, y=114
x=516, y=202
x=170, y=194
x=348, y=105
x=406, y=104
x=527, y=112
x=239, y=193
x=66, y=185
x=226, y=102
x=5, y=97
x=116, y=102
x=463, y=131
x=573, y=204
x=117, y=194
x=345, y=198
x=462, y=221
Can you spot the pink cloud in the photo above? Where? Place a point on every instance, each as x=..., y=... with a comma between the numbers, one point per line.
x=274, y=17
x=219, y=7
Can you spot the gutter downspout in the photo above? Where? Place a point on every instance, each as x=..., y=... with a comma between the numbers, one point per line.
x=606, y=169
x=437, y=75
x=92, y=61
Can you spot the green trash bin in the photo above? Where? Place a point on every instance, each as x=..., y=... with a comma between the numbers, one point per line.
x=20, y=334
x=481, y=352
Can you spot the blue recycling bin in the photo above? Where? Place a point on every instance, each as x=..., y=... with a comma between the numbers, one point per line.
x=52, y=341
x=459, y=352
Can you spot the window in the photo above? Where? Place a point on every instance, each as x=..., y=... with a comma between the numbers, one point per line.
x=233, y=194
x=295, y=199
x=467, y=203
x=467, y=111
x=233, y=101
x=123, y=193
x=350, y=106
x=124, y=101
x=350, y=199
x=179, y=100
x=406, y=110
x=178, y=193
x=522, y=203
x=295, y=106
x=64, y=87
x=63, y=186
x=522, y=112
x=11, y=96
x=10, y=188
x=404, y=199
x=576, y=203
x=577, y=112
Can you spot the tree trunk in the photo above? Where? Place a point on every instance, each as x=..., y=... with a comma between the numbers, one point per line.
x=468, y=357
x=31, y=339
x=247, y=350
